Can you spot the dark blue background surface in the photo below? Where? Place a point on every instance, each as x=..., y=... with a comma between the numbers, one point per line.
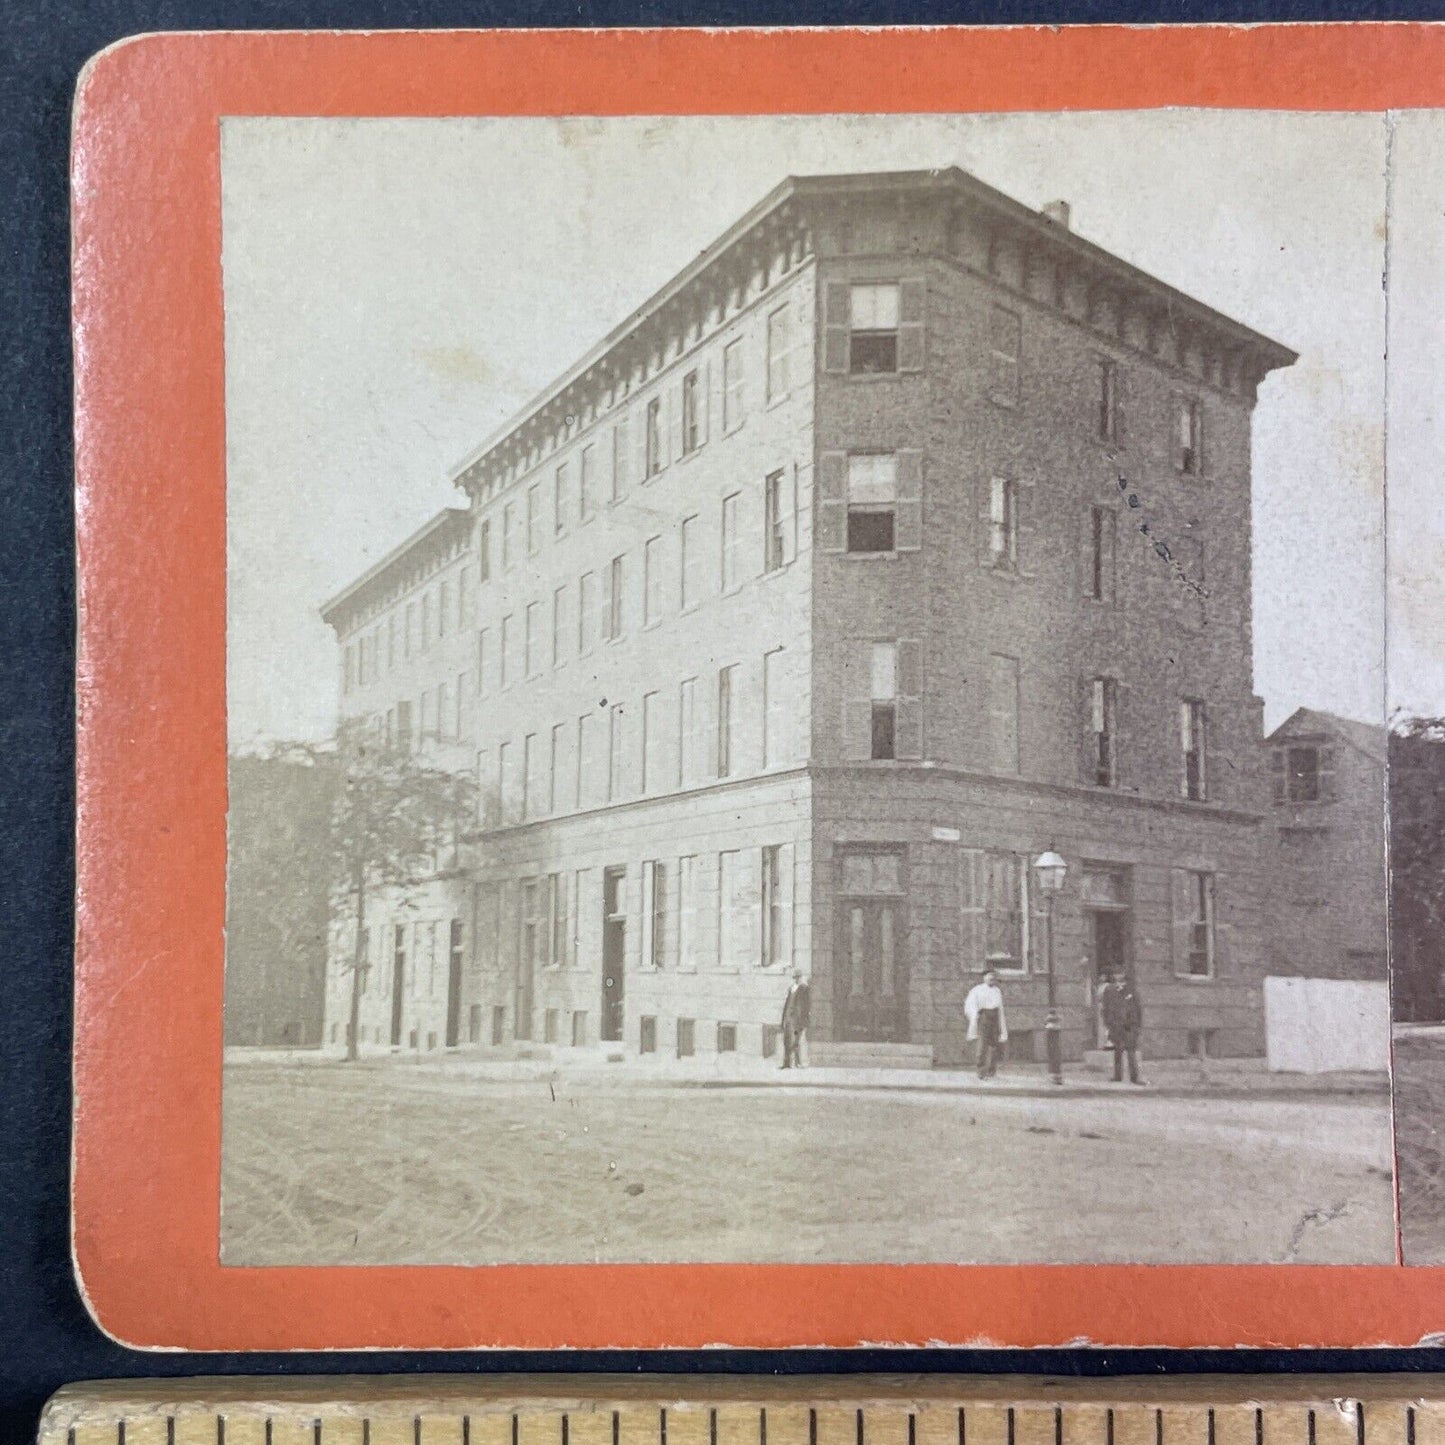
x=46, y=1338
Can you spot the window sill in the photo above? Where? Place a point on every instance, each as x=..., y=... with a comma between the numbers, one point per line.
x=869, y=556
x=874, y=376
x=776, y=401
x=1196, y=977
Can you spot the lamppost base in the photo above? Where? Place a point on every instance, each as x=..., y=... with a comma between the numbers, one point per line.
x=1054, y=1046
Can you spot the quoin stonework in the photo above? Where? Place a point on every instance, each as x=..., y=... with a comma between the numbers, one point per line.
x=903, y=536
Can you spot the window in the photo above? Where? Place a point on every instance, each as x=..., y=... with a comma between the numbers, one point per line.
x=534, y=519
x=1108, y=418
x=869, y=874
x=1003, y=524
x=1192, y=741
x=403, y=726
x=1103, y=725
x=464, y=599
x=425, y=715
x=690, y=563
x=1303, y=773
x=686, y=1038
x=689, y=734
x=484, y=648
x=391, y=636
x=652, y=461
x=612, y=607
x=556, y=762
x=587, y=484
x=561, y=500
x=616, y=752
x=444, y=712
x=687, y=912
x=549, y=1026
x=873, y=333
x=1005, y=912
x=647, y=1034
x=732, y=562
x=409, y=634
x=770, y=1041
x=532, y=641
x=739, y=897
x=1005, y=343
x=579, y=1028
x=778, y=904
x=732, y=361
x=1194, y=937
x=651, y=742
x=727, y=1038
x=509, y=535
x=619, y=461
x=505, y=780
x=883, y=691
x=484, y=550
x=585, y=783
x=509, y=642
x=777, y=722
x=557, y=909
x=872, y=496
x=1099, y=555
x=651, y=581
x=779, y=344
x=559, y=626
x=778, y=522
x=1188, y=435
x=426, y=622
x=536, y=929
x=692, y=413
x=654, y=914
x=349, y=670
x=587, y=618
x=531, y=779
x=499, y=1023
x=725, y=761
x=1003, y=709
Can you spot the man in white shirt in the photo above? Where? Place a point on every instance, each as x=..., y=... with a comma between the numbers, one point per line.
x=983, y=1008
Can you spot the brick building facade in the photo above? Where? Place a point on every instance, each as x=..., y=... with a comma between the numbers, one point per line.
x=902, y=536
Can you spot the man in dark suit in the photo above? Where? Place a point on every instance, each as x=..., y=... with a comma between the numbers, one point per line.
x=795, y=1021
x=1124, y=1022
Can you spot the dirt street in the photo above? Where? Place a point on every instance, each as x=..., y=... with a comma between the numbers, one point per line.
x=336, y=1164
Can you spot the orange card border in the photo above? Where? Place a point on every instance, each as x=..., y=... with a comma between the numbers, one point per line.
x=151, y=785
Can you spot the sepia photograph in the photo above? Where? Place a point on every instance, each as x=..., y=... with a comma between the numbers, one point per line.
x=813, y=689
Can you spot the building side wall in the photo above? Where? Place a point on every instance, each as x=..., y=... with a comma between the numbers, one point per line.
x=742, y=817
x=1327, y=859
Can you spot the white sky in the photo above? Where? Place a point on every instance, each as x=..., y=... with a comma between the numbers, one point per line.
x=396, y=289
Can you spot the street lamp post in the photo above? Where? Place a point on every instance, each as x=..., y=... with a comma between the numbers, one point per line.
x=1050, y=869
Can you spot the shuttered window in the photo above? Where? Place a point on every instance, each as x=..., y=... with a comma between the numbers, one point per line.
x=1003, y=711
x=874, y=328
x=883, y=705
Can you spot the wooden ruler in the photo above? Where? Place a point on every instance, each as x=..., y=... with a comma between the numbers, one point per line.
x=702, y=1410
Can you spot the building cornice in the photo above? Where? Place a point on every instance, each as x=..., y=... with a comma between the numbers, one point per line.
x=430, y=547
x=796, y=220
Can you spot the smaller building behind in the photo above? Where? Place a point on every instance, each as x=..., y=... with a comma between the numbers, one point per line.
x=1325, y=852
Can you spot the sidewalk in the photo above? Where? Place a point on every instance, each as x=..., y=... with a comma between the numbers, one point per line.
x=1221, y=1078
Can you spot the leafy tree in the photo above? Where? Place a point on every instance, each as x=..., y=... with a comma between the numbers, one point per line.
x=398, y=816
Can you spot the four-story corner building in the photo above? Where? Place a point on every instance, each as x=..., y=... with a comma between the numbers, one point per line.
x=902, y=536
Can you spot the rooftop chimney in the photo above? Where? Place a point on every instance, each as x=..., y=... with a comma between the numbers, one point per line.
x=1058, y=213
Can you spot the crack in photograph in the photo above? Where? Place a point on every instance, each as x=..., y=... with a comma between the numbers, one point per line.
x=813, y=688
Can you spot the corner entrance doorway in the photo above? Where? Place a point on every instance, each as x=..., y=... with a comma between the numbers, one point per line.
x=614, y=951
x=870, y=948
x=1108, y=936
